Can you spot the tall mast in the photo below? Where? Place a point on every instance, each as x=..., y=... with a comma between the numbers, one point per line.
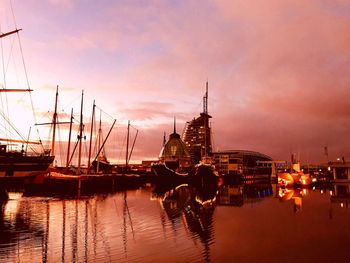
x=205, y=100
x=80, y=131
x=133, y=144
x=54, y=122
x=105, y=140
x=91, y=130
x=100, y=134
x=69, y=137
x=127, y=148
x=205, y=111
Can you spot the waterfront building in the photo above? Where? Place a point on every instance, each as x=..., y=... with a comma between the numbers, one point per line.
x=340, y=171
x=241, y=162
x=197, y=134
x=174, y=153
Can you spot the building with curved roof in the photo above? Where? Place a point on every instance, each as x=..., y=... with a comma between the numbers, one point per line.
x=174, y=153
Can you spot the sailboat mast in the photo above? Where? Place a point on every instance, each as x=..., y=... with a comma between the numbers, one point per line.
x=91, y=130
x=54, y=122
x=133, y=144
x=127, y=148
x=105, y=140
x=69, y=137
x=80, y=131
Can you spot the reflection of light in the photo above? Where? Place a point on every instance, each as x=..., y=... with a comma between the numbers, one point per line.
x=338, y=159
x=11, y=207
x=210, y=201
x=321, y=191
x=181, y=185
x=313, y=188
x=341, y=204
x=329, y=168
x=314, y=180
x=304, y=191
x=331, y=192
x=320, y=170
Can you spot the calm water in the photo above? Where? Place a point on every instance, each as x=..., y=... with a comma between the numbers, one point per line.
x=246, y=223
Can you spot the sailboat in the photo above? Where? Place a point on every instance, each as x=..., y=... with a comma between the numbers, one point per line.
x=28, y=161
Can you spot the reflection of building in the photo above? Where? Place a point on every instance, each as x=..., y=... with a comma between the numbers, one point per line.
x=341, y=194
x=341, y=171
x=237, y=195
x=239, y=162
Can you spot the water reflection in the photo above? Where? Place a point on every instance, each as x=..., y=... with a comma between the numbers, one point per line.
x=195, y=205
x=183, y=222
x=18, y=225
x=238, y=195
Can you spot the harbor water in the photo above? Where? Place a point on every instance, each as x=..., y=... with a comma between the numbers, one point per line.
x=233, y=223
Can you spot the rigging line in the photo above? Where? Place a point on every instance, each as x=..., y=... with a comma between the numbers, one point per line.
x=4, y=79
x=14, y=128
x=120, y=153
x=133, y=127
x=13, y=14
x=110, y=116
x=27, y=79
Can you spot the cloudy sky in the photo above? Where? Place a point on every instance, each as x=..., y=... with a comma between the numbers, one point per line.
x=278, y=71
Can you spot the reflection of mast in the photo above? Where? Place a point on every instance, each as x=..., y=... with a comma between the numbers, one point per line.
x=86, y=231
x=63, y=229
x=125, y=239
x=46, y=237
x=75, y=234
x=126, y=211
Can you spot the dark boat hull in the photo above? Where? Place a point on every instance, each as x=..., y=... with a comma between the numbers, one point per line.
x=205, y=175
x=16, y=165
x=165, y=174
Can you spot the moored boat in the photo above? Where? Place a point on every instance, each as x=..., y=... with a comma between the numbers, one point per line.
x=19, y=159
x=296, y=178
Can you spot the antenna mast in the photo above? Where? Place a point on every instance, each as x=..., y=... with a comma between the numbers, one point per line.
x=205, y=100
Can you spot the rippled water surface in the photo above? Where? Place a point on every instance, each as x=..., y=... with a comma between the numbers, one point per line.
x=242, y=223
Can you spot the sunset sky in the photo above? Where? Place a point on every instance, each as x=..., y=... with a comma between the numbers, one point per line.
x=278, y=71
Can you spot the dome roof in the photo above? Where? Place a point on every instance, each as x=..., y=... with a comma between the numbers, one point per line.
x=174, y=147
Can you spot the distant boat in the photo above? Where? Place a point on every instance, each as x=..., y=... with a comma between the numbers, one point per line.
x=296, y=178
x=23, y=163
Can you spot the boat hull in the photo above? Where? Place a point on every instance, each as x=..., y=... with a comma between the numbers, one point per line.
x=14, y=165
x=163, y=173
x=205, y=174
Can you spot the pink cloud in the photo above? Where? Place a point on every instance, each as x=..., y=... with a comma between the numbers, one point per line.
x=278, y=71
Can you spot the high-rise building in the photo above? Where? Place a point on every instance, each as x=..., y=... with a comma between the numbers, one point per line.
x=197, y=133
